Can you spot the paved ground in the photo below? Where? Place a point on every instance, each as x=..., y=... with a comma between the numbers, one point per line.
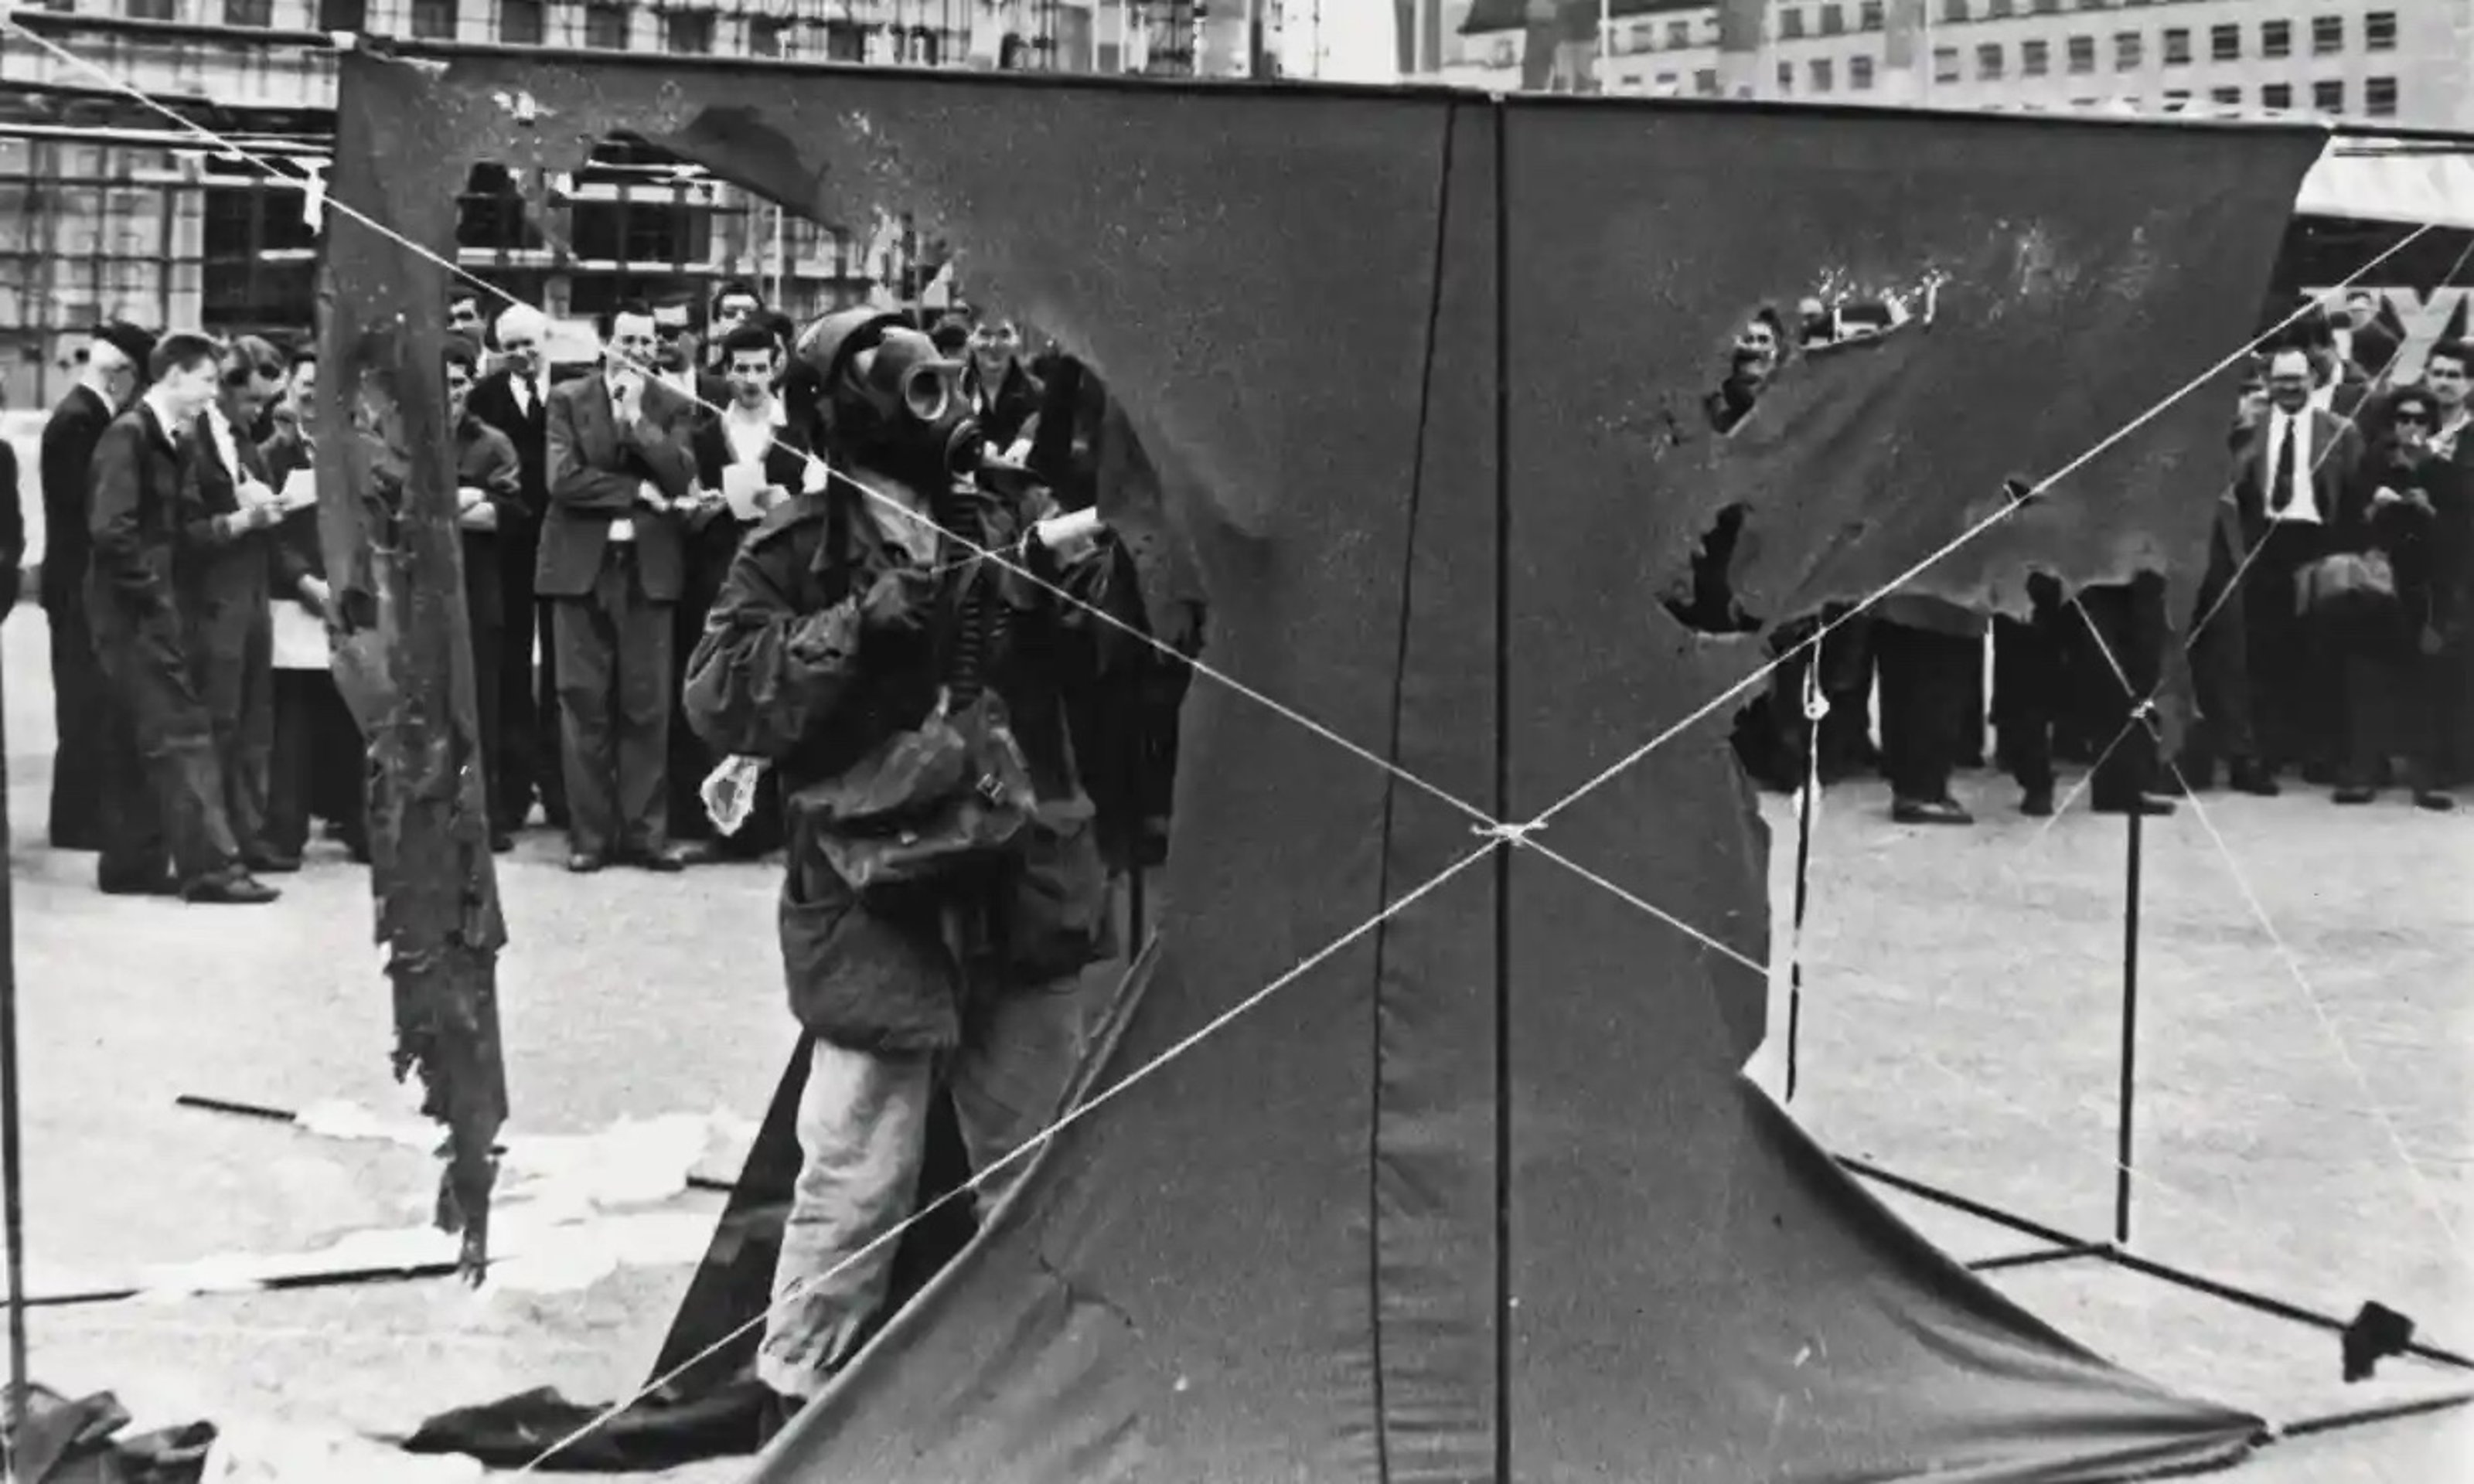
x=2305, y=1129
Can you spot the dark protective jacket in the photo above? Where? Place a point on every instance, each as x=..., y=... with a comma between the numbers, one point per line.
x=784, y=673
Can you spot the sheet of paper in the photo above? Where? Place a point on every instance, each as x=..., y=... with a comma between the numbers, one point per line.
x=742, y=485
x=299, y=638
x=300, y=490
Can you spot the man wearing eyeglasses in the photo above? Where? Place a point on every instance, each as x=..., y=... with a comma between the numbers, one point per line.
x=116, y=368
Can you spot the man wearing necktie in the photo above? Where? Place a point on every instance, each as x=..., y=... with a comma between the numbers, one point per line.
x=513, y=399
x=2298, y=463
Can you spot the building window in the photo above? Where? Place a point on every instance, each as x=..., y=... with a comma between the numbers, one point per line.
x=764, y=35
x=151, y=10
x=2177, y=46
x=2378, y=32
x=847, y=42
x=1679, y=33
x=1834, y=20
x=1705, y=81
x=2224, y=43
x=1955, y=11
x=2226, y=97
x=2327, y=34
x=2328, y=95
x=343, y=14
x=2380, y=97
x=2276, y=39
x=1786, y=77
x=1859, y=74
x=2082, y=53
x=1988, y=61
x=2276, y=95
x=2048, y=7
x=522, y=22
x=1868, y=15
x=2035, y=58
x=605, y=27
x=1945, y=64
x=1821, y=74
x=2127, y=48
x=2176, y=99
x=1791, y=23
x=687, y=33
x=433, y=20
x=1999, y=9
x=249, y=12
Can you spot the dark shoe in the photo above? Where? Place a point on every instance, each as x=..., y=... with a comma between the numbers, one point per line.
x=668, y=859
x=2146, y=804
x=2434, y=799
x=230, y=889
x=270, y=864
x=1929, y=811
x=150, y=886
x=2256, y=781
x=703, y=852
x=586, y=862
x=502, y=842
x=2037, y=802
x=2355, y=793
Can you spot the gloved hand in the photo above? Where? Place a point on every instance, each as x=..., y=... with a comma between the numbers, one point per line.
x=899, y=602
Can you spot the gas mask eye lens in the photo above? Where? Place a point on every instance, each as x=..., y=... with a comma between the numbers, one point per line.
x=925, y=394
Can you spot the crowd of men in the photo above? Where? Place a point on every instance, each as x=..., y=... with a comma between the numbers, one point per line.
x=201, y=734
x=2328, y=645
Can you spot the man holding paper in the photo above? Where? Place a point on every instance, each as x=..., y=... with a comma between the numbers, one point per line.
x=223, y=557
x=488, y=495
x=747, y=463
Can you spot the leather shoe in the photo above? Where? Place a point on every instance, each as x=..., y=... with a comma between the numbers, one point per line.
x=152, y=886
x=230, y=889
x=666, y=859
x=586, y=862
x=2037, y=803
x=1930, y=811
x=2355, y=794
x=270, y=864
x=2434, y=800
x=2255, y=781
x=502, y=842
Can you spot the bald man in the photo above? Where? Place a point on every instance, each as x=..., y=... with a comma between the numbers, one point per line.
x=512, y=399
x=2289, y=477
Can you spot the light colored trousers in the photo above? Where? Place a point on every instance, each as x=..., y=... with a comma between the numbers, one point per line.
x=862, y=1126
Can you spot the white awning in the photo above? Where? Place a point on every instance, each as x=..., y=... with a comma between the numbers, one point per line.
x=2406, y=181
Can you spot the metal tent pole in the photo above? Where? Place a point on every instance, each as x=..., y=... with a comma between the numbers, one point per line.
x=12, y=1164
x=2129, y=1090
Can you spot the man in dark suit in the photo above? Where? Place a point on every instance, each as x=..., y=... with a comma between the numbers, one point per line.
x=2290, y=479
x=611, y=566
x=222, y=559
x=515, y=399
x=2448, y=373
x=115, y=368
x=489, y=497
x=133, y=498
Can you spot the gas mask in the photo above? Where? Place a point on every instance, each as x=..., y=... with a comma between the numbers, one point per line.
x=886, y=398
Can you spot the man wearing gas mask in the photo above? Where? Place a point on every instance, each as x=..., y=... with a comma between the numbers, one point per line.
x=944, y=889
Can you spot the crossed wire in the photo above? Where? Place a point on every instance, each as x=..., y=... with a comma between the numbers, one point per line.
x=1496, y=832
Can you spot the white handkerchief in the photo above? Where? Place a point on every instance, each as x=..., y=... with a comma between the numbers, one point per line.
x=300, y=490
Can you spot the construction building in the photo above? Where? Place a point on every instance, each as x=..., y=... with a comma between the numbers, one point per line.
x=114, y=207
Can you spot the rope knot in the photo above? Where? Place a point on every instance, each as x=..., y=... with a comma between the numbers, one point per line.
x=1510, y=834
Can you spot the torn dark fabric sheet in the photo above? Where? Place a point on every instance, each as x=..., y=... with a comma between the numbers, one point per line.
x=1483, y=1193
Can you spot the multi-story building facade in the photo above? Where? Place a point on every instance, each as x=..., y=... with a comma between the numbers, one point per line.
x=2406, y=61
x=107, y=208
